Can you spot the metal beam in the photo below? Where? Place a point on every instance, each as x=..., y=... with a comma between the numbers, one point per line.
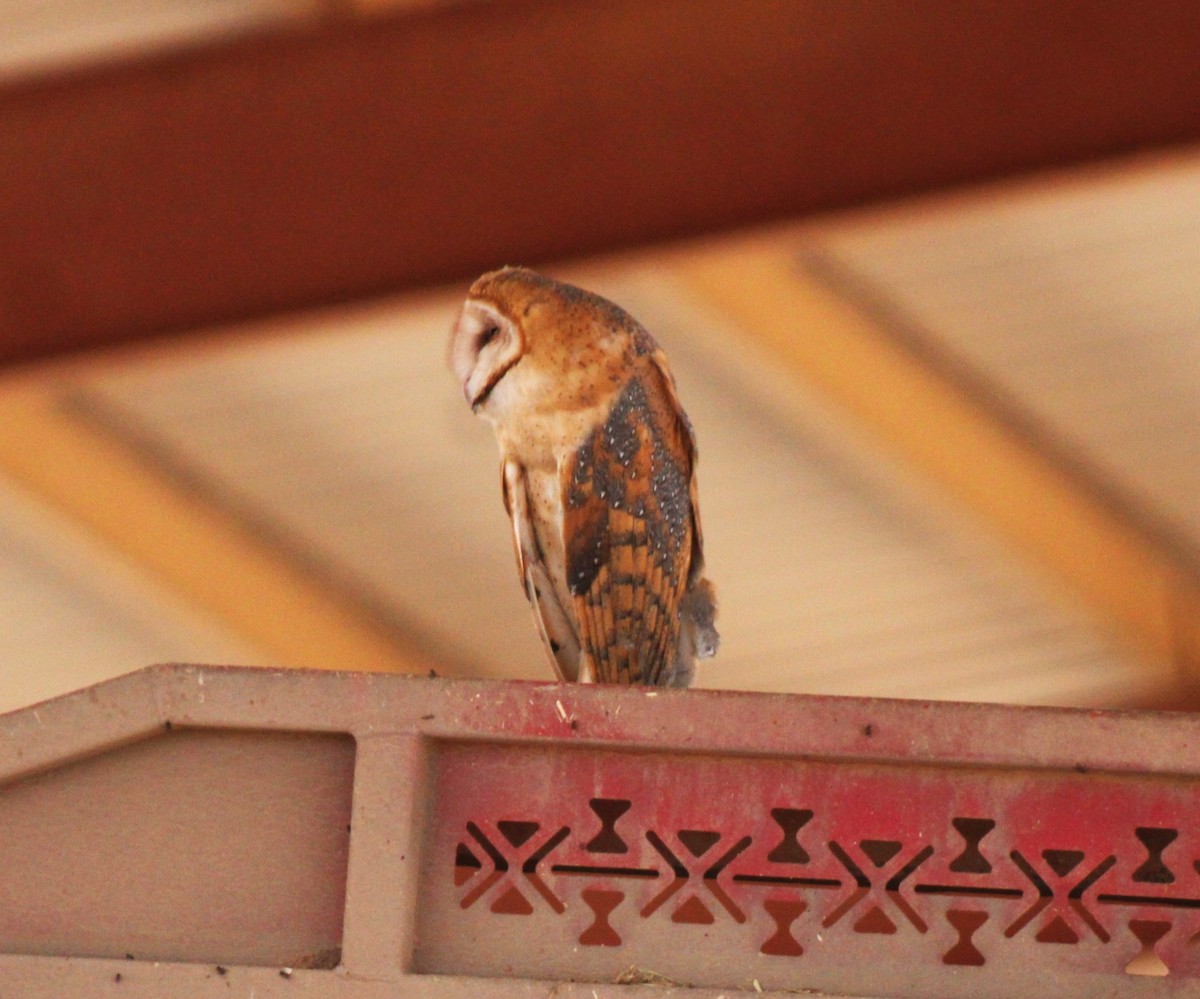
x=361, y=156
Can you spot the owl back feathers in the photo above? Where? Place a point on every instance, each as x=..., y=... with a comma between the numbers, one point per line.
x=633, y=548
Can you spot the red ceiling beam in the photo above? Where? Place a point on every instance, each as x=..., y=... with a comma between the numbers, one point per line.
x=352, y=158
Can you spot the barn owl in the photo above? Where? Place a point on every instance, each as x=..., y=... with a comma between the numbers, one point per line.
x=598, y=467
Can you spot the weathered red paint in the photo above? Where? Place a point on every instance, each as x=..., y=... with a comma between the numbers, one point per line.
x=506, y=836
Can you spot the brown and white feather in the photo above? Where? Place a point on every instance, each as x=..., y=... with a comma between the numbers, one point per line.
x=598, y=469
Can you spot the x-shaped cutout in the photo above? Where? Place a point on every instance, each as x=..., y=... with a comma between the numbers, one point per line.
x=513, y=847
x=1063, y=899
x=886, y=857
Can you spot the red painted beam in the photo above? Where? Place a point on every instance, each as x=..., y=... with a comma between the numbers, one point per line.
x=353, y=158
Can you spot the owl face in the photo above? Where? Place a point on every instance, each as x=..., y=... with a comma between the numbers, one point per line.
x=524, y=344
x=485, y=347
x=519, y=347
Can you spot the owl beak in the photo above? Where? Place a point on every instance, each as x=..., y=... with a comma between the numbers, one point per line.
x=476, y=397
x=481, y=397
x=485, y=390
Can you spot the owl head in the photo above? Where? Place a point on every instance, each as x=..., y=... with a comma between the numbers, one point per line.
x=522, y=340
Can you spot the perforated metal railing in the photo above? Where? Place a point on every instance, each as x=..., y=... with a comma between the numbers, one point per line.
x=513, y=839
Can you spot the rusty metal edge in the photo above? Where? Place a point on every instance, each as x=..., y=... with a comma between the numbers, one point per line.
x=751, y=724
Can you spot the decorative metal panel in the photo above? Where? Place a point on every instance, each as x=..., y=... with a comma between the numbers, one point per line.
x=724, y=871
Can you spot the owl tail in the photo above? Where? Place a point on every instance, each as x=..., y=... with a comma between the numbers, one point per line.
x=698, y=636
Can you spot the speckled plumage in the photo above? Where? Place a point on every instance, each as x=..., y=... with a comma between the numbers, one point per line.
x=598, y=473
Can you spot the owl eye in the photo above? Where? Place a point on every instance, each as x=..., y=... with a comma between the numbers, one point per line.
x=487, y=336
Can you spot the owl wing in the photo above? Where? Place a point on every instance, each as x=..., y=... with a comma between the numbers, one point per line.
x=629, y=530
x=553, y=624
